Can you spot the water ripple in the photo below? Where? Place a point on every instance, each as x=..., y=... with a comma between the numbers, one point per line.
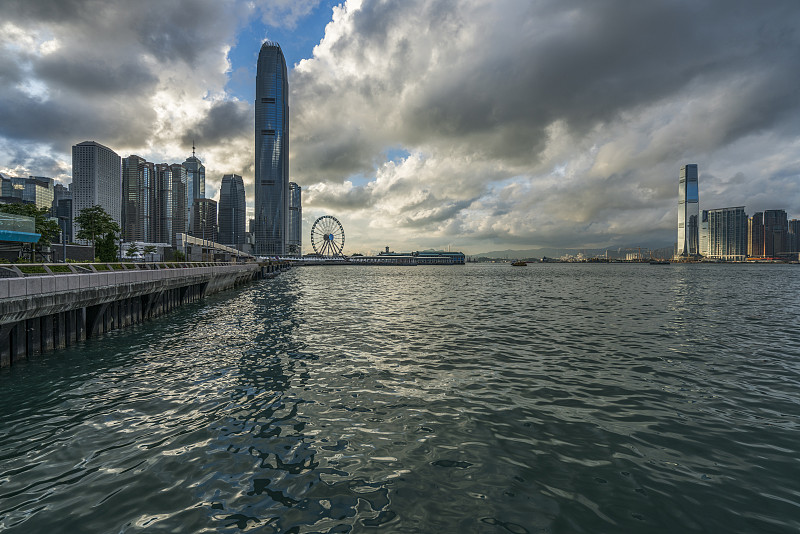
x=556, y=398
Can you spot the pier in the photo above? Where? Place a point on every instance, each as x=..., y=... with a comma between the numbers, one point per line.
x=46, y=307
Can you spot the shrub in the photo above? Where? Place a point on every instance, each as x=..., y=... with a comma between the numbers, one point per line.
x=32, y=269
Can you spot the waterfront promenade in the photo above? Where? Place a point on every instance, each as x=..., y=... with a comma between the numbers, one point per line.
x=46, y=307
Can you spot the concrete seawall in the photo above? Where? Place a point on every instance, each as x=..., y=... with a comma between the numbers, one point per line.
x=43, y=313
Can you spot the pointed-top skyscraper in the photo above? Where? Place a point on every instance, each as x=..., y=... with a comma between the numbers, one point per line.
x=272, y=152
x=688, y=211
x=196, y=182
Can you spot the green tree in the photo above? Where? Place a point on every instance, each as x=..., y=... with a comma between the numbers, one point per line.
x=95, y=221
x=133, y=248
x=150, y=249
x=107, y=247
x=179, y=256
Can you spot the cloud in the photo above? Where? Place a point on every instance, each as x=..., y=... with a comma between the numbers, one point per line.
x=552, y=123
x=565, y=121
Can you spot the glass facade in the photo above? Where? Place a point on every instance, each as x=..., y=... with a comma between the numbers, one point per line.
x=755, y=235
x=139, y=208
x=204, y=219
x=195, y=182
x=96, y=180
x=272, y=152
x=232, y=211
x=180, y=206
x=776, y=230
x=164, y=203
x=688, y=211
x=295, y=241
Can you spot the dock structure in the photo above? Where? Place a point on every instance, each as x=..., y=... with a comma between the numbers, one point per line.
x=57, y=306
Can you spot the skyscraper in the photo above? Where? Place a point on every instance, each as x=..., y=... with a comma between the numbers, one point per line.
x=96, y=180
x=195, y=181
x=138, y=193
x=727, y=233
x=776, y=229
x=794, y=235
x=232, y=211
x=163, y=204
x=204, y=219
x=62, y=209
x=688, y=211
x=703, y=245
x=295, y=242
x=755, y=235
x=272, y=151
x=180, y=211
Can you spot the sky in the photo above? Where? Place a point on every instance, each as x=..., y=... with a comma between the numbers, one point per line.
x=477, y=125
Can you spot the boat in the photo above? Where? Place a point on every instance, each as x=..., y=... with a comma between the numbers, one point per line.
x=519, y=263
x=659, y=262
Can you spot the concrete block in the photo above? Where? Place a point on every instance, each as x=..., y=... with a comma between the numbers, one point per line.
x=74, y=281
x=33, y=285
x=84, y=281
x=48, y=284
x=3, y=288
x=62, y=284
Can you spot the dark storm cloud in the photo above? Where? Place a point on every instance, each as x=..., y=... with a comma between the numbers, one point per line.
x=224, y=121
x=92, y=75
x=50, y=121
x=60, y=11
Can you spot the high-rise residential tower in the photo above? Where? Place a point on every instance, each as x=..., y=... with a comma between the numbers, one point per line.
x=794, y=235
x=755, y=235
x=232, y=211
x=776, y=229
x=688, y=211
x=272, y=152
x=727, y=234
x=96, y=180
x=295, y=241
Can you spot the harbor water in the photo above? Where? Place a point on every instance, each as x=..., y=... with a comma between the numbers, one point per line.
x=559, y=398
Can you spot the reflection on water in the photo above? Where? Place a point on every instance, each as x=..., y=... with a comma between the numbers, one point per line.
x=556, y=398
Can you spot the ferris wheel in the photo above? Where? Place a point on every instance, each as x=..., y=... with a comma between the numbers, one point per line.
x=327, y=236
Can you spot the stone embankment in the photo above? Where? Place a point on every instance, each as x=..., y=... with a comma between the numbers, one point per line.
x=49, y=307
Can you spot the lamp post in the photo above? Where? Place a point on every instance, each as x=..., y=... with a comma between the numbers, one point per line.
x=63, y=238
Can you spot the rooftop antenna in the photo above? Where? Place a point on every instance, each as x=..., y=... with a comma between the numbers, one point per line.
x=192, y=147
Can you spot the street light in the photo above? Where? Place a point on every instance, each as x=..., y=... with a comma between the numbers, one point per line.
x=63, y=237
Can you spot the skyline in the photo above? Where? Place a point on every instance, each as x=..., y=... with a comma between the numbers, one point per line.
x=477, y=125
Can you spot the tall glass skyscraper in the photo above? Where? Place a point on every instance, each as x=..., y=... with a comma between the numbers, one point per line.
x=232, y=211
x=688, y=211
x=295, y=241
x=195, y=182
x=272, y=152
